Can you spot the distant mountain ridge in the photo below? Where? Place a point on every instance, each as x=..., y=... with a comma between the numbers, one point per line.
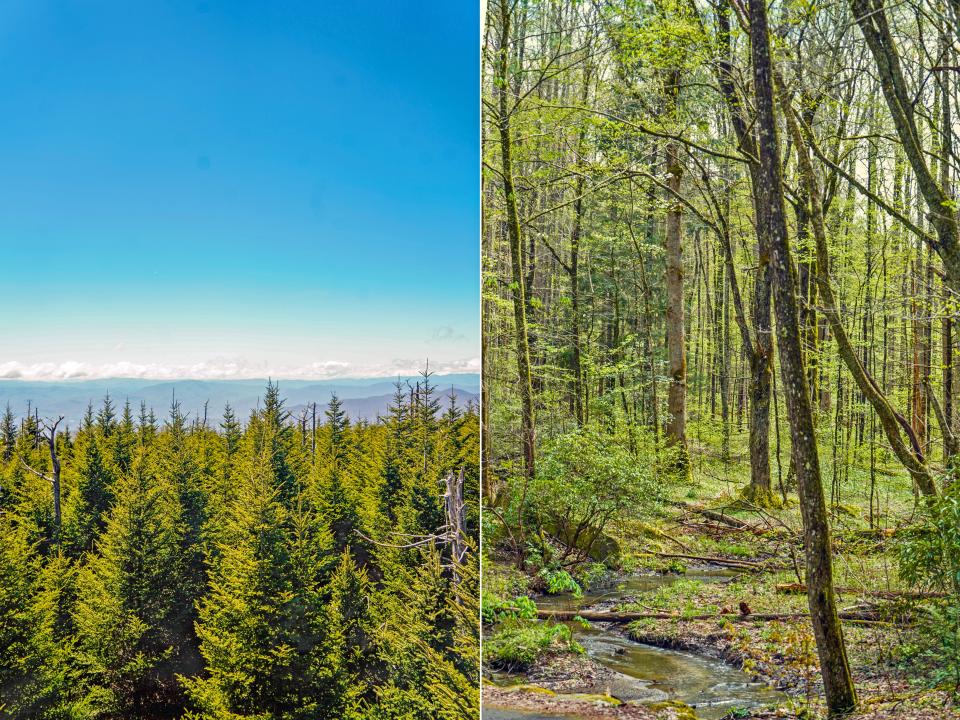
x=363, y=398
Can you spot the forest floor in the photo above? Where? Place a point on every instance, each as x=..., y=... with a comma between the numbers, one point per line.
x=762, y=550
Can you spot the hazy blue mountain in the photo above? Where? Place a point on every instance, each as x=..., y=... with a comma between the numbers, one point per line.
x=363, y=397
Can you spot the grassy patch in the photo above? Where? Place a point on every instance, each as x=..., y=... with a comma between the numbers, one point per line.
x=517, y=644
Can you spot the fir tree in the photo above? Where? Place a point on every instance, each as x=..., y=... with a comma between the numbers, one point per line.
x=337, y=424
x=8, y=433
x=340, y=509
x=347, y=653
x=129, y=609
x=231, y=430
x=54, y=681
x=453, y=412
x=107, y=416
x=178, y=468
x=396, y=459
x=261, y=625
x=147, y=429
x=274, y=438
x=242, y=525
x=124, y=439
x=30, y=428
x=94, y=497
x=86, y=424
x=19, y=567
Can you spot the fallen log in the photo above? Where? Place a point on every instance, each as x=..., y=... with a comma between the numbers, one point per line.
x=626, y=617
x=720, y=517
x=799, y=588
x=708, y=527
x=713, y=560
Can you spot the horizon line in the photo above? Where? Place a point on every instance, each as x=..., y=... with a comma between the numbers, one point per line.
x=230, y=369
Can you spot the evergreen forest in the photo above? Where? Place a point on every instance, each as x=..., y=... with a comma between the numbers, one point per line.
x=275, y=566
x=721, y=404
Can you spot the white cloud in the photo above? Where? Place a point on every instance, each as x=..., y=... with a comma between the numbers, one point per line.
x=227, y=369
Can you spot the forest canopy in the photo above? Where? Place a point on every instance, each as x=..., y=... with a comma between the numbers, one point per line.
x=265, y=567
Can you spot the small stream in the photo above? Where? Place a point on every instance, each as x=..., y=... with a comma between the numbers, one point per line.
x=649, y=674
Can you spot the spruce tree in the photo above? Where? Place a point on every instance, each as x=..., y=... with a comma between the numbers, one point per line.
x=232, y=431
x=88, y=515
x=337, y=425
x=261, y=626
x=147, y=429
x=274, y=437
x=8, y=433
x=107, y=416
x=124, y=439
x=54, y=680
x=19, y=567
x=130, y=634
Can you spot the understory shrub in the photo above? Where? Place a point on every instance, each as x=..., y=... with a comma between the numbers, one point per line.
x=494, y=609
x=584, y=481
x=560, y=581
x=929, y=557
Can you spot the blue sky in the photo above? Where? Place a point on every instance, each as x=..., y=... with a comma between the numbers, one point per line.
x=227, y=187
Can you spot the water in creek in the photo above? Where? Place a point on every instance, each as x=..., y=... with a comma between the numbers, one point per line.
x=648, y=674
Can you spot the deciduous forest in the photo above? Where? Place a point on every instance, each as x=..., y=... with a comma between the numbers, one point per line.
x=276, y=566
x=721, y=403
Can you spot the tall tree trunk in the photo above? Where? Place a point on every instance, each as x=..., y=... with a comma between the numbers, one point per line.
x=891, y=421
x=840, y=694
x=946, y=151
x=514, y=231
x=574, y=274
x=758, y=346
x=676, y=426
x=760, y=360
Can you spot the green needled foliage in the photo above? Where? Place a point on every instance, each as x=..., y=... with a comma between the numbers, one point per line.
x=19, y=568
x=94, y=496
x=130, y=620
x=265, y=568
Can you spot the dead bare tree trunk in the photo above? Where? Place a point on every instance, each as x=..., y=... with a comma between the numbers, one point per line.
x=456, y=520
x=53, y=478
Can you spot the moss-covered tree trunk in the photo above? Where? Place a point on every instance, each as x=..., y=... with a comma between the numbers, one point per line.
x=840, y=694
x=758, y=345
x=515, y=235
x=676, y=425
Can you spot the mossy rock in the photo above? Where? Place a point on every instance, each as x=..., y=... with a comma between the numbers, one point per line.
x=606, y=550
x=533, y=689
x=681, y=711
x=593, y=697
x=848, y=510
x=603, y=549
